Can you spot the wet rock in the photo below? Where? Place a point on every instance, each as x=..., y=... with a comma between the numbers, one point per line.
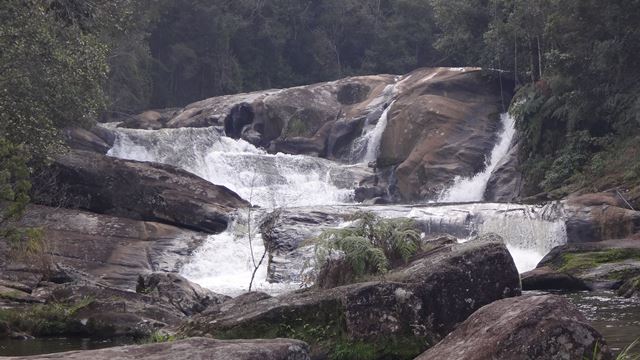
x=96, y=139
x=442, y=125
x=188, y=297
x=194, y=348
x=149, y=120
x=600, y=265
x=505, y=183
x=88, y=247
x=630, y=288
x=240, y=116
x=138, y=190
x=527, y=327
x=545, y=278
x=413, y=308
x=319, y=119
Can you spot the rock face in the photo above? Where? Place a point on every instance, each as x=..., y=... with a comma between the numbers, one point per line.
x=412, y=309
x=138, y=190
x=96, y=139
x=505, y=183
x=193, y=348
x=108, y=250
x=527, y=327
x=599, y=216
x=442, y=125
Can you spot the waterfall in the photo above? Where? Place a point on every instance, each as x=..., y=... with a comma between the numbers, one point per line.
x=472, y=189
x=224, y=263
x=267, y=180
x=308, y=184
x=374, y=137
x=529, y=231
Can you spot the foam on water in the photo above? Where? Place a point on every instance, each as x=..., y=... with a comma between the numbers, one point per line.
x=472, y=189
x=224, y=263
x=268, y=180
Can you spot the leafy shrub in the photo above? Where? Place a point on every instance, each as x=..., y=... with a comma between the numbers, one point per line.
x=371, y=245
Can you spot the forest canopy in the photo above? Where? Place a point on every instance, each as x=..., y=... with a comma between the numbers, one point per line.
x=65, y=62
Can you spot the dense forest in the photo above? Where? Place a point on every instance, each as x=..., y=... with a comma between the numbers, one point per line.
x=575, y=62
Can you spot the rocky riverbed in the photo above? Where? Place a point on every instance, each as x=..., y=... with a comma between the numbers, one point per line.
x=151, y=227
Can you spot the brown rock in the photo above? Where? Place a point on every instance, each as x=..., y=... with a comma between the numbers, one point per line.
x=109, y=250
x=138, y=190
x=526, y=327
x=442, y=125
x=417, y=304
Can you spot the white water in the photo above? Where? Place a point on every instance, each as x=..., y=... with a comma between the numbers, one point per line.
x=224, y=263
x=472, y=189
x=265, y=179
x=374, y=137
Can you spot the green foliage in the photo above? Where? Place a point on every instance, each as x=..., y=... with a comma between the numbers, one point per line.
x=25, y=243
x=51, y=75
x=372, y=244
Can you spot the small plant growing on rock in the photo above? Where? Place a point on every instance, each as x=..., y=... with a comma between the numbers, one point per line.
x=371, y=245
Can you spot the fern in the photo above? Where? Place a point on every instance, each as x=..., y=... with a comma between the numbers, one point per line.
x=371, y=243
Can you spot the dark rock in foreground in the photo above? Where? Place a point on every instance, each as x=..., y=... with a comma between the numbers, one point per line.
x=412, y=309
x=528, y=327
x=194, y=348
x=138, y=190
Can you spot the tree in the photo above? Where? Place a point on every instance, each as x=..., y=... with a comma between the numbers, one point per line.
x=51, y=76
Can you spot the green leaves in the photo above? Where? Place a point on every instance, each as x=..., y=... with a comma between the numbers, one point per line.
x=371, y=245
x=51, y=76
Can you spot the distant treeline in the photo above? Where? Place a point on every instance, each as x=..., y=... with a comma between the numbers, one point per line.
x=576, y=62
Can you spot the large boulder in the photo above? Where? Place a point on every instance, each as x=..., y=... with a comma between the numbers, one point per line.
x=398, y=317
x=193, y=348
x=79, y=245
x=598, y=265
x=85, y=309
x=527, y=327
x=137, y=190
x=599, y=216
x=442, y=125
x=97, y=139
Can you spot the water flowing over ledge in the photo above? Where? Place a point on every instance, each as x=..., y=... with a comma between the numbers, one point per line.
x=303, y=184
x=473, y=188
x=224, y=263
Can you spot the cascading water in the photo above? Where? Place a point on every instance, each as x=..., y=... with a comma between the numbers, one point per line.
x=264, y=179
x=225, y=264
x=472, y=189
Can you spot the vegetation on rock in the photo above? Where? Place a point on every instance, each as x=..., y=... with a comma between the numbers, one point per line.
x=370, y=246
